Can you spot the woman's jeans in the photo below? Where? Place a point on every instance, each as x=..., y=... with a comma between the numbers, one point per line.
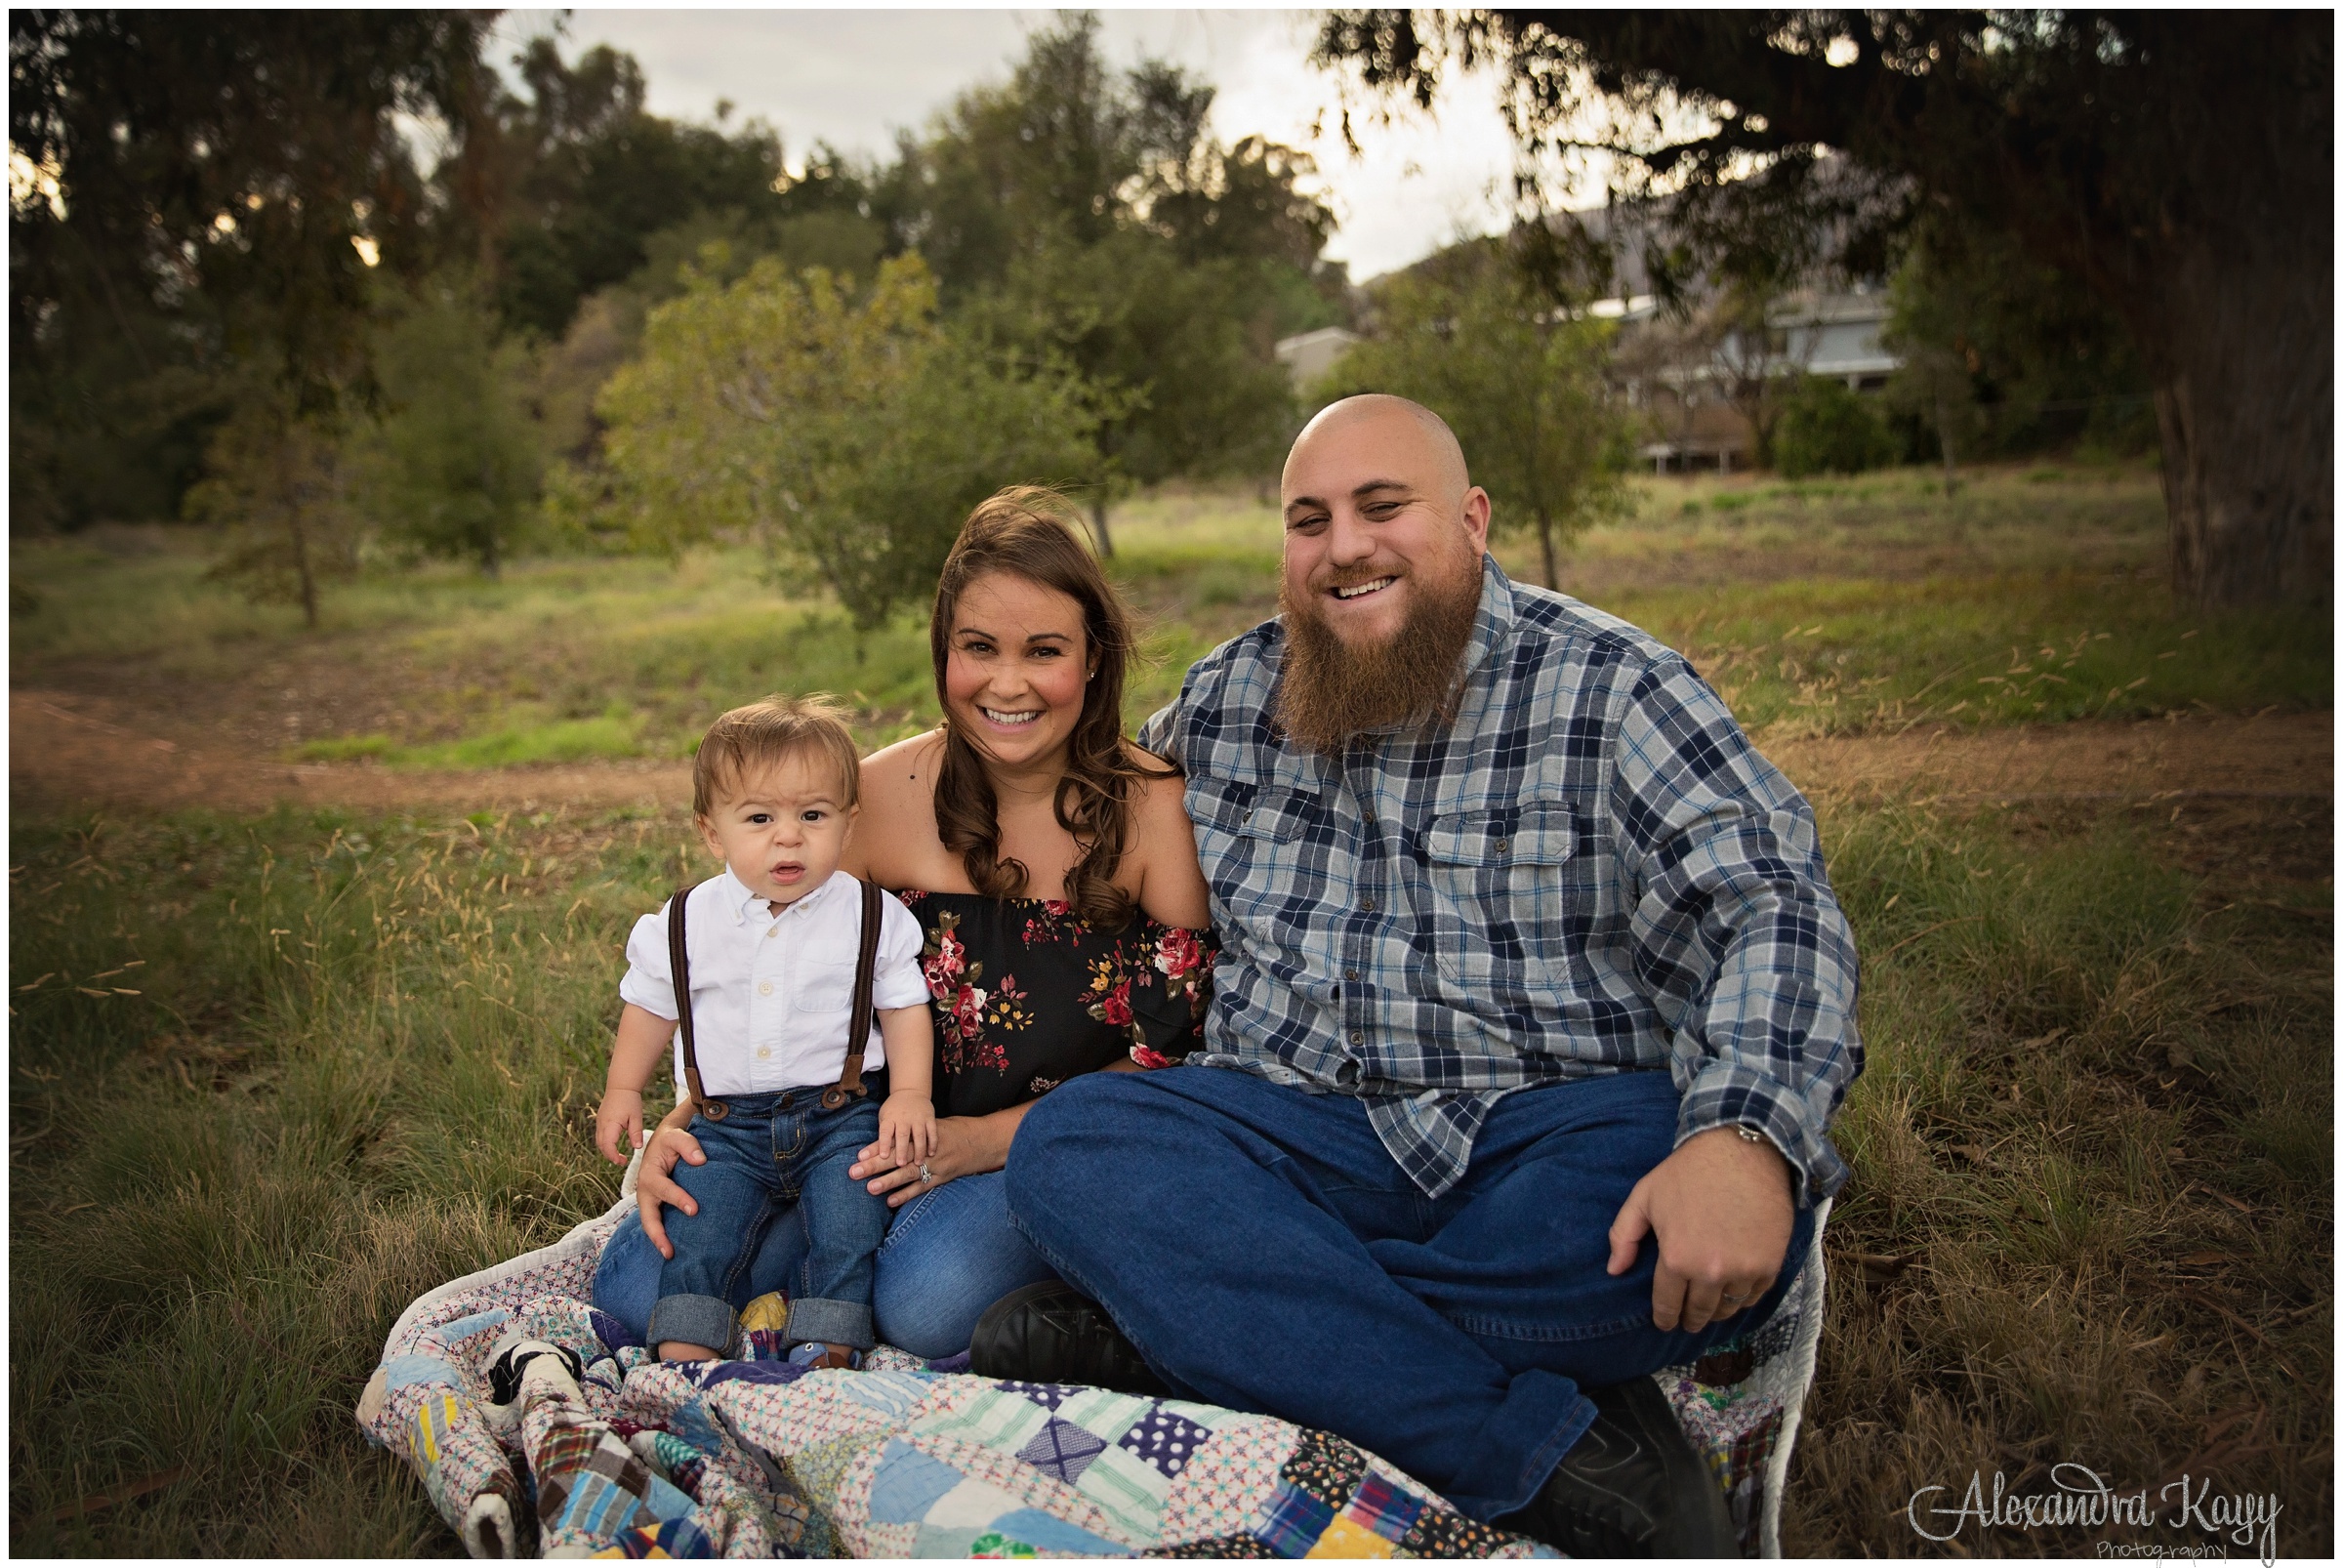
x=948, y=1256
x=1264, y=1252
x=776, y=1163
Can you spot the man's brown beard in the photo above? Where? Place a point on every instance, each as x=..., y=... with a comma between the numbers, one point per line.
x=1330, y=692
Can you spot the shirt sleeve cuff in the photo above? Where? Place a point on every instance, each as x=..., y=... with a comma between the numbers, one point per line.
x=652, y=995
x=1727, y=1093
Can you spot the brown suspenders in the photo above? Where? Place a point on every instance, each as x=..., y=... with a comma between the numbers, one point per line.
x=858, y=1031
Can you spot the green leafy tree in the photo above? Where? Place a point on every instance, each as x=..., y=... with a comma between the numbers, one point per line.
x=1081, y=212
x=209, y=200
x=2177, y=164
x=1827, y=427
x=275, y=486
x=1519, y=381
x=588, y=188
x=453, y=463
x=2003, y=354
x=848, y=435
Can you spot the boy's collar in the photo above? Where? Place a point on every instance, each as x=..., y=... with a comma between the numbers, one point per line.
x=744, y=905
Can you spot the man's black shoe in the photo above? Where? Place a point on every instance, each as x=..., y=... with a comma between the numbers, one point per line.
x=1631, y=1487
x=1053, y=1332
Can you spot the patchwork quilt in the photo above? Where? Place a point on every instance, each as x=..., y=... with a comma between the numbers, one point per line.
x=604, y=1451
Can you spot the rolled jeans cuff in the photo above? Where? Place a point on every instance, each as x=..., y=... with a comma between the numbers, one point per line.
x=846, y=1323
x=694, y=1320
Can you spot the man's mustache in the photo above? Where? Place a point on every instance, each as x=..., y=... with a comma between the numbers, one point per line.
x=1352, y=577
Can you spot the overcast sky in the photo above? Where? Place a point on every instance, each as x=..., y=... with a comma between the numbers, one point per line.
x=853, y=77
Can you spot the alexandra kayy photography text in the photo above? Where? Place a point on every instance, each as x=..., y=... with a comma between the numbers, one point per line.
x=2211, y=1521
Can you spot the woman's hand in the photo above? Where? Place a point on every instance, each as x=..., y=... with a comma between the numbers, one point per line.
x=654, y=1187
x=965, y=1145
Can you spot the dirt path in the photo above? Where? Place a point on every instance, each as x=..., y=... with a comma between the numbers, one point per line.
x=66, y=751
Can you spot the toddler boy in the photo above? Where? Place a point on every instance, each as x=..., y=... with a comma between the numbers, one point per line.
x=772, y=950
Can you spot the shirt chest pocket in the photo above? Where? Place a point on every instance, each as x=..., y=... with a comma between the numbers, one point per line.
x=823, y=988
x=1501, y=910
x=1260, y=846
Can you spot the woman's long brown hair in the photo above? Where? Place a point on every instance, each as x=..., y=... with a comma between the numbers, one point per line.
x=1028, y=531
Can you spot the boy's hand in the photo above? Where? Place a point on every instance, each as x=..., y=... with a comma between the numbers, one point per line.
x=907, y=1127
x=619, y=1117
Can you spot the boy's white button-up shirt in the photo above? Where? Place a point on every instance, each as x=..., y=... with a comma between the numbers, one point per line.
x=773, y=995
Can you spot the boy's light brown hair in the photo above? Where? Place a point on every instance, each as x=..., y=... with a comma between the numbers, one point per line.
x=749, y=740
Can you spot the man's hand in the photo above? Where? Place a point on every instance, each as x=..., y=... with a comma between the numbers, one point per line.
x=1720, y=1209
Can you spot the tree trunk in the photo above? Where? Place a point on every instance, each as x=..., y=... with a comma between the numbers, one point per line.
x=1106, y=544
x=490, y=562
x=1944, y=435
x=297, y=515
x=2240, y=351
x=1545, y=547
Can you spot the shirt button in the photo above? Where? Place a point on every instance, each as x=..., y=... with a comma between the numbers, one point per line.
x=1504, y=847
x=765, y=1050
x=1367, y=903
x=1351, y=974
x=1357, y=1038
x=765, y=988
x=771, y=932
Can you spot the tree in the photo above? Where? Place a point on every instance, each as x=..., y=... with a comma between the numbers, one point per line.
x=2003, y=354
x=588, y=178
x=848, y=435
x=2178, y=164
x=208, y=198
x=1080, y=212
x=1518, y=380
x=1828, y=429
x=452, y=463
x=274, y=486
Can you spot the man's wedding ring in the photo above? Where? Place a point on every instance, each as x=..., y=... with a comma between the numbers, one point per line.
x=926, y=1176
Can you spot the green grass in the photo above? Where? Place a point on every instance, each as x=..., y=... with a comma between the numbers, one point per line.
x=274, y=1078
x=1827, y=606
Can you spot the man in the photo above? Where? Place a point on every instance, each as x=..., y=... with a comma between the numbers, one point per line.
x=1533, y=1008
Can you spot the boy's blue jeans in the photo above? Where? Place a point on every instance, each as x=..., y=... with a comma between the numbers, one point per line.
x=775, y=1161
x=1264, y=1251
x=949, y=1253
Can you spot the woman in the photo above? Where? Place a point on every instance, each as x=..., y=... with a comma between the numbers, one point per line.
x=1052, y=868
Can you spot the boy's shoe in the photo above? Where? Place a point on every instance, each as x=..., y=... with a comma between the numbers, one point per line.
x=1053, y=1332
x=815, y=1355
x=1631, y=1487
x=520, y=1366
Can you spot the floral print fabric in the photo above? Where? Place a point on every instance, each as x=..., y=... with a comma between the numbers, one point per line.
x=1028, y=995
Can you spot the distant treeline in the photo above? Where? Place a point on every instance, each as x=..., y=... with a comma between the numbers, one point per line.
x=240, y=288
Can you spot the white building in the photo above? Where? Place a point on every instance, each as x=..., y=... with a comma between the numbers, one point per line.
x=1308, y=355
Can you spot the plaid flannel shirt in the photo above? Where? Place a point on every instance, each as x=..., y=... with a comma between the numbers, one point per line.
x=1588, y=870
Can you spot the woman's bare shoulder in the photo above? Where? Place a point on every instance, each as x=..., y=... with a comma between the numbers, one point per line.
x=1163, y=843
x=906, y=764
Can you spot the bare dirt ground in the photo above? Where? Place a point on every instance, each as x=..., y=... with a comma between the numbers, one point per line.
x=71, y=750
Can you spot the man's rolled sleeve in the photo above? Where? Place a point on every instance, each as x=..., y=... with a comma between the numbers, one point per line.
x=649, y=982
x=1748, y=957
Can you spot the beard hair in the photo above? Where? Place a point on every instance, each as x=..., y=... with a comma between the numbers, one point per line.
x=1330, y=692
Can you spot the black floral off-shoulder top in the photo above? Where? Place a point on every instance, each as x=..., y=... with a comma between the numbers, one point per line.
x=1027, y=995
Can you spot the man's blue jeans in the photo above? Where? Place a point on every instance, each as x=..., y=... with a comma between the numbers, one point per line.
x=949, y=1255
x=777, y=1161
x=1264, y=1251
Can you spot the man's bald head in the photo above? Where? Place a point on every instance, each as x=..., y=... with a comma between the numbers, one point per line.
x=1439, y=442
